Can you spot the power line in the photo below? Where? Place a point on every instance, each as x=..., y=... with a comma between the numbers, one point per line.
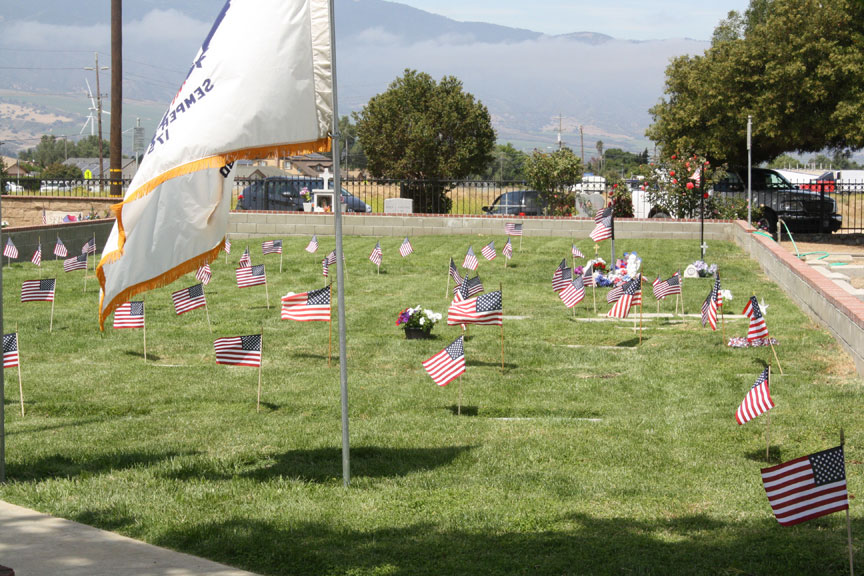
x=38, y=68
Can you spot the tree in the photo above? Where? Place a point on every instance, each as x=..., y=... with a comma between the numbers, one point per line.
x=553, y=177
x=48, y=151
x=58, y=171
x=796, y=66
x=507, y=164
x=89, y=148
x=420, y=129
x=674, y=185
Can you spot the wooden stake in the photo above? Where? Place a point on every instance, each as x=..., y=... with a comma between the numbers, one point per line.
x=207, y=310
x=520, y=240
x=768, y=423
x=260, y=364
x=594, y=296
x=775, y=355
x=267, y=294
x=459, y=402
x=51, y=325
x=848, y=519
x=330, y=322
x=20, y=385
x=447, y=290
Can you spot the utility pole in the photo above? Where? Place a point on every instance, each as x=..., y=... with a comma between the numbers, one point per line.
x=582, y=143
x=99, y=115
x=116, y=170
x=560, y=141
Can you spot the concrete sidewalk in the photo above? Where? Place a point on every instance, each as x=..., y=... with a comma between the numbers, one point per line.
x=35, y=544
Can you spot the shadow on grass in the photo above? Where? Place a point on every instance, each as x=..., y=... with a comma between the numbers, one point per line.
x=59, y=466
x=466, y=410
x=270, y=406
x=775, y=454
x=314, y=356
x=575, y=544
x=632, y=343
x=150, y=356
x=508, y=365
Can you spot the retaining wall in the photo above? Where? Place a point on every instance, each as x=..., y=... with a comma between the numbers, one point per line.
x=21, y=211
x=73, y=234
x=819, y=297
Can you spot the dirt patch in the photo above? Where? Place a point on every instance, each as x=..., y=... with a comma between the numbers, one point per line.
x=833, y=245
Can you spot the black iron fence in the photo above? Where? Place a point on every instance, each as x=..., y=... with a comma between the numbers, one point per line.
x=454, y=197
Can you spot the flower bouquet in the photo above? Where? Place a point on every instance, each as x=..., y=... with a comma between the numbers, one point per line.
x=704, y=270
x=417, y=322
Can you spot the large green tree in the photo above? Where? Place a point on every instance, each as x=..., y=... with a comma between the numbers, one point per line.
x=507, y=164
x=796, y=66
x=420, y=129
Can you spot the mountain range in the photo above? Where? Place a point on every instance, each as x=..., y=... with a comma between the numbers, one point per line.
x=532, y=83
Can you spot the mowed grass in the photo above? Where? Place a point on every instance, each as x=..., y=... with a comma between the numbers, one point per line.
x=588, y=454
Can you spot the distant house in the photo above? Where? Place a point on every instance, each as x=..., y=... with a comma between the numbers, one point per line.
x=245, y=169
x=92, y=165
x=309, y=165
x=13, y=168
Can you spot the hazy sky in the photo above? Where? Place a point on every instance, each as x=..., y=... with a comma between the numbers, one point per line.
x=628, y=19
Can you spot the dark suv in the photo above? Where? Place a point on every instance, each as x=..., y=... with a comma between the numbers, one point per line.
x=283, y=194
x=801, y=210
x=519, y=202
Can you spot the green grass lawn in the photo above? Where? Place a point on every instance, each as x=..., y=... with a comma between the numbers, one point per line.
x=578, y=458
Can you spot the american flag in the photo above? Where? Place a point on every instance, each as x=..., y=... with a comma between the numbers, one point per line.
x=561, y=276
x=709, y=308
x=573, y=293
x=486, y=309
x=469, y=287
x=448, y=364
x=718, y=292
x=312, y=247
x=245, y=259
x=668, y=287
x=10, y=251
x=44, y=217
x=129, y=315
x=631, y=295
x=513, y=229
x=470, y=261
x=757, y=329
x=331, y=257
x=10, y=350
x=376, y=255
x=605, y=225
x=807, y=487
x=38, y=290
x=89, y=247
x=488, y=251
x=325, y=267
x=405, y=249
x=271, y=247
x=309, y=306
x=460, y=290
x=576, y=252
x=238, y=350
x=60, y=249
x=227, y=245
x=204, y=274
x=508, y=249
x=588, y=278
x=37, y=256
x=251, y=276
x=614, y=294
x=758, y=400
x=75, y=263
x=454, y=273
x=189, y=298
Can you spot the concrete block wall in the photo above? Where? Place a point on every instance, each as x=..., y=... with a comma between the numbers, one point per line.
x=74, y=235
x=841, y=313
x=252, y=224
x=22, y=211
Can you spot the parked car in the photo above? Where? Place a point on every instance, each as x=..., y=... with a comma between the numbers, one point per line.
x=840, y=181
x=519, y=202
x=801, y=210
x=284, y=194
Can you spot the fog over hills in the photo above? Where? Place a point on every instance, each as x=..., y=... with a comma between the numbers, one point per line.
x=525, y=78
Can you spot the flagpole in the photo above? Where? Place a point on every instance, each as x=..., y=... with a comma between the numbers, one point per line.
x=768, y=423
x=340, y=267
x=447, y=290
x=2, y=389
x=459, y=401
x=501, y=289
x=330, y=323
x=266, y=290
x=144, y=313
x=51, y=325
x=280, y=262
x=641, y=300
x=848, y=519
x=260, y=364
x=20, y=385
x=207, y=310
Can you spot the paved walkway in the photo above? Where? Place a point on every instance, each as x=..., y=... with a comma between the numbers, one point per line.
x=35, y=544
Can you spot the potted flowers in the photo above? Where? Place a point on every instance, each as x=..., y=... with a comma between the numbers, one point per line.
x=417, y=322
x=308, y=206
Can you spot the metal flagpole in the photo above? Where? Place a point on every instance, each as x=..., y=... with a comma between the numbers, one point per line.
x=2, y=391
x=144, y=314
x=20, y=385
x=260, y=364
x=340, y=267
x=768, y=423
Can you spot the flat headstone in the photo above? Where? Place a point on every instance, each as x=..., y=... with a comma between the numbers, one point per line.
x=691, y=272
x=587, y=205
x=398, y=206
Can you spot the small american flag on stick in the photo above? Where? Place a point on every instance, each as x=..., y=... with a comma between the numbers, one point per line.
x=573, y=293
x=245, y=259
x=576, y=252
x=129, y=315
x=454, y=272
x=709, y=308
x=9, y=250
x=604, y=225
x=470, y=261
x=10, y=350
x=376, y=256
x=807, y=487
x=38, y=290
x=631, y=295
x=271, y=247
x=757, y=328
x=561, y=276
x=312, y=306
x=513, y=229
x=312, y=247
x=668, y=287
x=238, y=350
x=758, y=399
x=508, y=249
x=448, y=364
x=405, y=249
x=227, y=245
x=75, y=263
x=37, y=256
x=89, y=247
x=203, y=274
x=60, y=249
x=251, y=276
x=189, y=299
x=488, y=251
x=486, y=309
